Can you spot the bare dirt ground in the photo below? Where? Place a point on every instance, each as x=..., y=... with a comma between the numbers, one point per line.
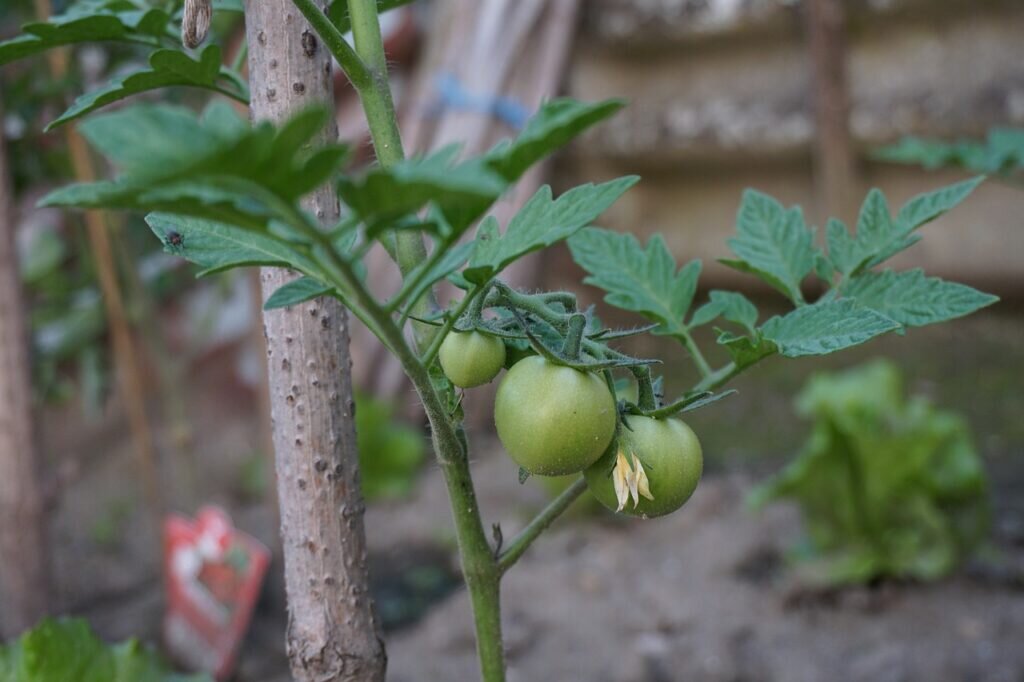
x=704, y=594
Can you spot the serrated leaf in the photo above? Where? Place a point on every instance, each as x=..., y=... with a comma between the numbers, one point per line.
x=928, y=206
x=934, y=153
x=155, y=139
x=541, y=223
x=218, y=246
x=745, y=350
x=555, y=124
x=461, y=191
x=880, y=236
x=643, y=280
x=171, y=161
x=1002, y=152
x=913, y=299
x=297, y=291
x=825, y=327
x=72, y=27
x=729, y=305
x=167, y=68
x=843, y=251
x=772, y=243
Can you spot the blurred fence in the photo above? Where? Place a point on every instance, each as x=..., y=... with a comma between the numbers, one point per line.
x=725, y=94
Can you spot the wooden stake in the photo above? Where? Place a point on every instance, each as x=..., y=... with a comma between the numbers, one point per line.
x=125, y=354
x=24, y=556
x=834, y=167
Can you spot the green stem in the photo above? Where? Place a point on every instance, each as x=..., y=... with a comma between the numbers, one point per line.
x=242, y=97
x=540, y=523
x=411, y=285
x=435, y=345
x=645, y=398
x=410, y=250
x=240, y=56
x=698, y=358
x=720, y=377
x=574, y=336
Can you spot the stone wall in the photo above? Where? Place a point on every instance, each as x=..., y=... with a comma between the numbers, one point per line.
x=720, y=98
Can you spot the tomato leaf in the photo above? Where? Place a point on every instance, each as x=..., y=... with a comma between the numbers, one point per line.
x=167, y=68
x=825, y=327
x=729, y=305
x=928, y=206
x=214, y=167
x=85, y=25
x=913, y=299
x=1002, y=152
x=745, y=350
x=637, y=278
x=773, y=243
x=297, y=291
x=880, y=236
x=543, y=221
x=461, y=191
x=218, y=246
x=556, y=123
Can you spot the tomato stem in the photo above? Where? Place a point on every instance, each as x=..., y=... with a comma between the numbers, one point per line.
x=574, y=336
x=539, y=524
x=646, y=400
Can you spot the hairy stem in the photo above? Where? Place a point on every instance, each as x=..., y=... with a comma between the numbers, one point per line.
x=645, y=400
x=698, y=358
x=540, y=523
x=410, y=251
x=435, y=344
x=574, y=336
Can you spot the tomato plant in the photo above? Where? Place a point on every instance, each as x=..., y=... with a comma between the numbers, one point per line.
x=224, y=194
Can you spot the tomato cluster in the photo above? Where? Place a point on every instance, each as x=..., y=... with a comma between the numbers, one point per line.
x=555, y=420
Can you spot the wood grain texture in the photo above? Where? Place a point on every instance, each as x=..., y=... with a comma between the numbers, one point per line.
x=332, y=631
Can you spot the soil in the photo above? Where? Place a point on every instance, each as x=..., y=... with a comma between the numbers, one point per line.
x=705, y=594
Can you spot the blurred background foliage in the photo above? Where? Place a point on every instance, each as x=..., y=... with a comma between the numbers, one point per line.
x=888, y=485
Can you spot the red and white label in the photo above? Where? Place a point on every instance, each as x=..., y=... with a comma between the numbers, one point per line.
x=213, y=574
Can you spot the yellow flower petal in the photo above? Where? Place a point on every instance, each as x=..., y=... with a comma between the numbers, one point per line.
x=633, y=481
x=620, y=477
x=642, y=484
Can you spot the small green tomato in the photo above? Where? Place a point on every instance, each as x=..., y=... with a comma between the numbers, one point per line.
x=470, y=358
x=658, y=464
x=553, y=420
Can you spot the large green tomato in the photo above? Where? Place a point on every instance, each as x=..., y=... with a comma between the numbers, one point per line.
x=470, y=358
x=552, y=419
x=671, y=456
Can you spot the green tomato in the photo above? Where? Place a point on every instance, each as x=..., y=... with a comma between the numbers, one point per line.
x=671, y=456
x=553, y=420
x=470, y=358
